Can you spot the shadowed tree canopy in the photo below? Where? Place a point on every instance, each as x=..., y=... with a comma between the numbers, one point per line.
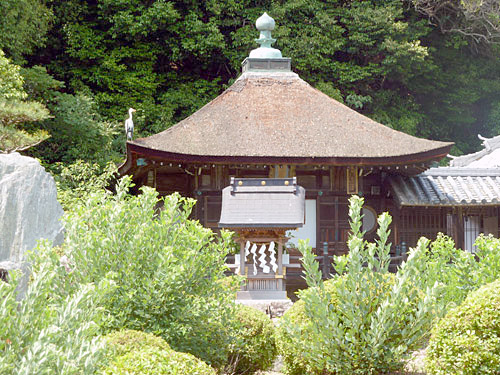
x=23, y=27
x=15, y=111
x=477, y=20
x=168, y=58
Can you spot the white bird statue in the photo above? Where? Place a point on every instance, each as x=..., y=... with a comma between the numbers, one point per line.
x=129, y=124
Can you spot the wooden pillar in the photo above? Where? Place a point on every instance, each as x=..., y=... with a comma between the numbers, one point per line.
x=242, y=257
x=459, y=241
x=458, y=228
x=280, y=264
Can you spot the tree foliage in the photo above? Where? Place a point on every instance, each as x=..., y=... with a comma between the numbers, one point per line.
x=168, y=58
x=16, y=111
x=167, y=268
x=23, y=27
x=478, y=20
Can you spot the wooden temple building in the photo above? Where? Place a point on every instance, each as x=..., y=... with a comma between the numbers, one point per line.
x=272, y=124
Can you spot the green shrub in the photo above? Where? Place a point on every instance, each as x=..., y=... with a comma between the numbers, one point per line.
x=122, y=342
x=254, y=347
x=294, y=359
x=467, y=340
x=77, y=181
x=167, y=268
x=364, y=321
x=150, y=361
x=136, y=352
x=450, y=267
x=53, y=328
x=460, y=272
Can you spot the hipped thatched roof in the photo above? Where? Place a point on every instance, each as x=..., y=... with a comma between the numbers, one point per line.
x=278, y=117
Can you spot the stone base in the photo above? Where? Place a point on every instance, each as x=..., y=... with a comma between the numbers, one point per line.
x=261, y=295
x=274, y=308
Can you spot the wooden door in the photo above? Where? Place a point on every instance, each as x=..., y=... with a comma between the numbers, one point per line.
x=333, y=224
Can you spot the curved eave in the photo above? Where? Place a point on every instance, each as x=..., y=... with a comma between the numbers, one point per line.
x=287, y=226
x=141, y=151
x=450, y=205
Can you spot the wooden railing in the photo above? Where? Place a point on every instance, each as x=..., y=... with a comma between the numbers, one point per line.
x=294, y=268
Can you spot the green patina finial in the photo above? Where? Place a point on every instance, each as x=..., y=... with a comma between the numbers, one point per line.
x=265, y=25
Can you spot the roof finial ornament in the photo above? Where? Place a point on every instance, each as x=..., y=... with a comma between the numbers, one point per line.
x=265, y=24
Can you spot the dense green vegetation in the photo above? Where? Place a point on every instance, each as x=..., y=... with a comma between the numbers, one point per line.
x=129, y=265
x=53, y=328
x=137, y=352
x=167, y=268
x=426, y=69
x=69, y=70
x=364, y=320
x=166, y=278
x=467, y=340
x=254, y=346
x=367, y=321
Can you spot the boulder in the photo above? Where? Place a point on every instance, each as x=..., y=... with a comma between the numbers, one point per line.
x=29, y=210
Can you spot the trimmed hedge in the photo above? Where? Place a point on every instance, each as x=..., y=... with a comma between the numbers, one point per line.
x=467, y=340
x=254, y=347
x=151, y=361
x=136, y=352
x=122, y=342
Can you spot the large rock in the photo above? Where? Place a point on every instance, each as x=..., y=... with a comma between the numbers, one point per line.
x=29, y=209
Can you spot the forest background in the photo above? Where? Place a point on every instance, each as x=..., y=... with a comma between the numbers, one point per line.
x=70, y=69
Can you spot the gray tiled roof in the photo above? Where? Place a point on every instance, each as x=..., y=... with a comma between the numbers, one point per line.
x=248, y=203
x=448, y=187
x=488, y=157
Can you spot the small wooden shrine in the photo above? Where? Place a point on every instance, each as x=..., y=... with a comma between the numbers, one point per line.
x=261, y=211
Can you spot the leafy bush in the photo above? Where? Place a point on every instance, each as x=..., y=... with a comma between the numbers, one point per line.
x=295, y=361
x=136, y=352
x=150, y=361
x=166, y=267
x=122, y=342
x=293, y=357
x=460, y=272
x=78, y=180
x=467, y=340
x=254, y=347
x=450, y=268
x=53, y=328
x=361, y=325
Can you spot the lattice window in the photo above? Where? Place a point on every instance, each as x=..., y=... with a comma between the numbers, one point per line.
x=212, y=208
x=417, y=222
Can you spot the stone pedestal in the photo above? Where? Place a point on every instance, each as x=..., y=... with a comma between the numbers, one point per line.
x=275, y=308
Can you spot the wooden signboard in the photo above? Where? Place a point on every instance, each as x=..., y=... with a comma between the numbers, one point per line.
x=352, y=180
